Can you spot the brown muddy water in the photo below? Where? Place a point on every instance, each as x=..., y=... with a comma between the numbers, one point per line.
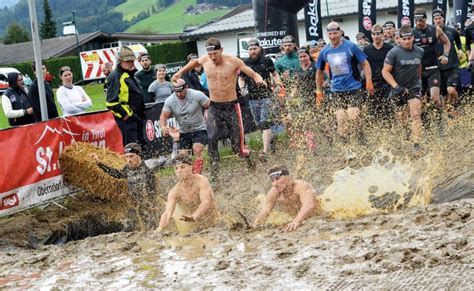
x=393, y=219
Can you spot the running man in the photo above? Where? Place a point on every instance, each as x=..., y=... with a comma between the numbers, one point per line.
x=296, y=196
x=260, y=97
x=450, y=71
x=224, y=111
x=193, y=194
x=346, y=88
x=402, y=71
x=379, y=105
x=427, y=37
x=186, y=105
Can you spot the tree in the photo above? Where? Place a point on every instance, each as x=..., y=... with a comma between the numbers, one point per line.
x=48, y=26
x=15, y=34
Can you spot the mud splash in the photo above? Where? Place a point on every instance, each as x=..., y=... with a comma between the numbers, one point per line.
x=373, y=247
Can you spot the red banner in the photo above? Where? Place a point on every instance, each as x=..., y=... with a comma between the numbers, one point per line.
x=30, y=173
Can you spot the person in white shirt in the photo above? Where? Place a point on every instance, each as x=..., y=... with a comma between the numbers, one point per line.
x=72, y=99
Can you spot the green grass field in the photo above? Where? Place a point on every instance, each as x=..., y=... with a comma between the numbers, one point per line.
x=95, y=91
x=173, y=19
x=132, y=8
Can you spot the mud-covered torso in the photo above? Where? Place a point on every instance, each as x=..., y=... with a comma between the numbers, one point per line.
x=289, y=201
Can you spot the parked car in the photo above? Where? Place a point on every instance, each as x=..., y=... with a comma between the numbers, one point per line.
x=4, y=78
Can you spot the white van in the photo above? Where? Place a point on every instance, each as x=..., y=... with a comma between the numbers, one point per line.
x=4, y=78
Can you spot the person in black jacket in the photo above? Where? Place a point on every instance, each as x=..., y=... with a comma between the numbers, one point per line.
x=16, y=103
x=192, y=77
x=33, y=93
x=125, y=98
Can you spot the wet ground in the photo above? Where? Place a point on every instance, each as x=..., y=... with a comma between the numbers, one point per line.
x=378, y=230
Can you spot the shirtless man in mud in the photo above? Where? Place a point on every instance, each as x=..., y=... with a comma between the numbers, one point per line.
x=222, y=72
x=296, y=196
x=193, y=194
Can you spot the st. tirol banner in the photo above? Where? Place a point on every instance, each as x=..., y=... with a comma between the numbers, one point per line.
x=313, y=23
x=406, y=9
x=440, y=4
x=30, y=173
x=462, y=12
x=272, y=23
x=367, y=16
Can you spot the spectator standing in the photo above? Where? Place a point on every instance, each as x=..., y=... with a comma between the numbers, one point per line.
x=125, y=98
x=16, y=103
x=72, y=99
x=159, y=89
x=146, y=76
x=33, y=93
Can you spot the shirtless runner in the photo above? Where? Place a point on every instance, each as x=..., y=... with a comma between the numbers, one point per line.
x=193, y=194
x=224, y=111
x=296, y=196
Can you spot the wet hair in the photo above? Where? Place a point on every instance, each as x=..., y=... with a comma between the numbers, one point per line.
x=405, y=29
x=278, y=170
x=182, y=159
x=213, y=44
x=191, y=56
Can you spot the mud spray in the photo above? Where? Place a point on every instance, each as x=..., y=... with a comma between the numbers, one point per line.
x=378, y=230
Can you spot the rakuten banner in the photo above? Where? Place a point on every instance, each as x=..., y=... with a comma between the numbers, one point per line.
x=30, y=173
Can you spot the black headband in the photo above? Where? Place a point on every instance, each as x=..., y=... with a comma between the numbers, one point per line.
x=333, y=29
x=179, y=88
x=405, y=34
x=420, y=16
x=277, y=174
x=303, y=50
x=131, y=150
x=211, y=47
x=438, y=13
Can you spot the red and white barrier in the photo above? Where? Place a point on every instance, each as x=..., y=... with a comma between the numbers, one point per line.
x=30, y=173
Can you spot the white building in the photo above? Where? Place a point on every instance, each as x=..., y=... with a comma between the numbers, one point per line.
x=240, y=22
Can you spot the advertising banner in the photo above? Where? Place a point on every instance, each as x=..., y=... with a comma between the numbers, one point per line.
x=30, y=173
x=440, y=4
x=313, y=20
x=367, y=16
x=272, y=24
x=406, y=9
x=462, y=12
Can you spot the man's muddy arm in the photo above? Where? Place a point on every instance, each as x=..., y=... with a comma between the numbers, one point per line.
x=189, y=66
x=307, y=203
x=205, y=197
x=270, y=201
x=118, y=174
x=170, y=206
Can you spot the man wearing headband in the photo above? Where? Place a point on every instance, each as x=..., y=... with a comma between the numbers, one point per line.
x=146, y=75
x=142, y=185
x=427, y=37
x=450, y=71
x=224, y=113
x=125, y=97
x=288, y=63
x=297, y=197
x=346, y=88
x=379, y=105
x=389, y=32
x=402, y=71
x=193, y=195
x=186, y=106
x=260, y=96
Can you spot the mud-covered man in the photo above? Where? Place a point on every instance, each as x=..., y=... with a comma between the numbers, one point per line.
x=193, y=195
x=297, y=197
x=141, y=185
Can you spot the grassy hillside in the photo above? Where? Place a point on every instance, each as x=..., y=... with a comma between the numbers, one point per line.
x=173, y=19
x=132, y=8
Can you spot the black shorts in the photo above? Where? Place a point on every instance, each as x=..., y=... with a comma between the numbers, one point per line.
x=449, y=78
x=186, y=140
x=430, y=78
x=402, y=101
x=344, y=100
